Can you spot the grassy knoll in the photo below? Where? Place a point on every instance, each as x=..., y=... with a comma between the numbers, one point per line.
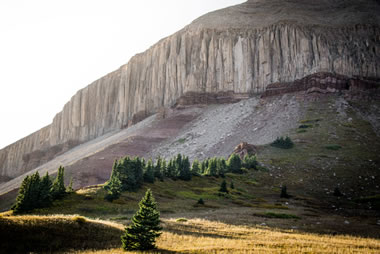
x=204, y=236
x=20, y=234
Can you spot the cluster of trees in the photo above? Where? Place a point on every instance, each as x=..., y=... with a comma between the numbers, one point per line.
x=37, y=192
x=128, y=174
x=281, y=142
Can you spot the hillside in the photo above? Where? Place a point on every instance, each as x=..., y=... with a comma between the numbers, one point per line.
x=241, y=50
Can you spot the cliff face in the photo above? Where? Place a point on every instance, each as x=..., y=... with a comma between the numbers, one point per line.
x=241, y=49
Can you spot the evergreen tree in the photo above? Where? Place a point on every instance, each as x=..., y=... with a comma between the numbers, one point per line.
x=23, y=202
x=149, y=172
x=195, y=168
x=171, y=170
x=200, y=201
x=45, y=187
x=139, y=166
x=250, y=162
x=234, y=164
x=232, y=185
x=212, y=167
x=185, y=173
x=223, y=187
x=158, y=169
x=284, y=193
x=221, y=166
x=163, y=169
x=145, y=227
x=58, y=189
x=114, y=188
x=69, y=188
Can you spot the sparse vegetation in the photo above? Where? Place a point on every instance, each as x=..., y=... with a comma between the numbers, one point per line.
x=333, y=147
x=284, y=143
x=278, y=215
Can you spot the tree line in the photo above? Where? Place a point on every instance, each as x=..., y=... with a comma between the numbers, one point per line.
x=128, y=174
x=36, y=192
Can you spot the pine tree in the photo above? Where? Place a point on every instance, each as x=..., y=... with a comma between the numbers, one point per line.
x=114, y=188
x=284, y=193
x=23, y=198
x=221, y=166
x=145, y=228
x=139, y=166
x=234, y=164
x=58, y=189
x=232, y=185
x=158, y=169
x=171, y=170
x=185, y=173
x=149, y=172
x=250, y=162
x=195, y=168
x=212, y=167
x=69, y=188
x=45, y=187
x=223, y=187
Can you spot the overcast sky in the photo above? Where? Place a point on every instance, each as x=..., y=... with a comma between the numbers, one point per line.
x=50, y=49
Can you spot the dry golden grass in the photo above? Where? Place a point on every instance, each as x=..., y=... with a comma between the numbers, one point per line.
x=203, y=236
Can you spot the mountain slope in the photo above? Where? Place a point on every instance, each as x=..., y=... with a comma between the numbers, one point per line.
x=222, y=51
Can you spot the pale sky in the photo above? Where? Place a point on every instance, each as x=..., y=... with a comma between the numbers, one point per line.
x=49, y=49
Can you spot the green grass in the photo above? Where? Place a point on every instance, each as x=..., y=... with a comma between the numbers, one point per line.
x=181, y=140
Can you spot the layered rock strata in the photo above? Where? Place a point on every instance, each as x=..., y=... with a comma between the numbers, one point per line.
x=241, y=49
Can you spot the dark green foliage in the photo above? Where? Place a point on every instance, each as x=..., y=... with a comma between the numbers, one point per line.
x=284, y=193
x=284, y=143
x=58, y=189
x=45, y=187
x=171, y=170
x=138, y=169
x=184, y=173
x=234, y=164
x=113, y=188
x=333, y=147
x=250, y=162
x=221, y=166
x=232, y=185
x=149, y=172
x=195, y=168
x=305, y=126
x=158, y=172
x=35, y=193
x=200, y=201
x=212, y=169
x=223, y=187
x=145, y=228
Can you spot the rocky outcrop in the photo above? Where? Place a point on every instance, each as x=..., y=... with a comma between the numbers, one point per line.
x=244, y=149
x=241, y=49
x=324, y=82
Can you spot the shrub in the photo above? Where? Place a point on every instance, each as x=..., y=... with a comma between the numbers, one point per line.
x=333, y=147
x=223, y=187
x=250, y=162
x=200, y=202
x=284, y=143
x=284, y=193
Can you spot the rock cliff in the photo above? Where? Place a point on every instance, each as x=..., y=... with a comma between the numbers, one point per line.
x=237, y=50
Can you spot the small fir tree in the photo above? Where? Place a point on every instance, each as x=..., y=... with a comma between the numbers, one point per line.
x=158, y=169
x=232, y=185
x=195, y=168
x=212, y=169
x=145, y=226
x=200, y=201
x=114, y=188
x=45, y=187
x=234, y=164
x=69, y=188
x=58, y=189
x=223, y=187
x=284, y=192
x=185, y=173
x=149, y=172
